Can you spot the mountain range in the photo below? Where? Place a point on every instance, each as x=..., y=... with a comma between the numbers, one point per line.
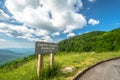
x=9, y=54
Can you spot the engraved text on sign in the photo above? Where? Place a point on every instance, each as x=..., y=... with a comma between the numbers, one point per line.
x=45, y=48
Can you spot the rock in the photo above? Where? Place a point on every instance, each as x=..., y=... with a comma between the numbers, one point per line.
x=67, y=70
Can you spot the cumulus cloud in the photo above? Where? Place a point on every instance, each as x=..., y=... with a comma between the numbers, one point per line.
x=91, y=0
x=50, y=16
x=70, y=34
x=24, y=32
x=56, y=34
x=78, y=4
x=93, y=22
x=47, y=39
x=76, y=21
x=14, y=30
x=3, y=16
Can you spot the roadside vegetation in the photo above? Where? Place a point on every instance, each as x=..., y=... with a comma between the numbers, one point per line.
x=78, y=61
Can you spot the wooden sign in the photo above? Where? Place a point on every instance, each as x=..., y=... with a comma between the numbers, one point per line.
x=45, y=48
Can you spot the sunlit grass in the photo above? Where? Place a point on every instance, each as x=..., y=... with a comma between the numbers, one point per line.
x=78, y=61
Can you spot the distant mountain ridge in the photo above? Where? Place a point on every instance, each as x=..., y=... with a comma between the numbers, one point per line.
x=8, y=52
x=22, y=50
x=98, y=41
x=7, y=55
x=14, y=53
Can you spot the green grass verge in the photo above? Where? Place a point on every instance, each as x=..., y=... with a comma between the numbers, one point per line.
x=78, y=61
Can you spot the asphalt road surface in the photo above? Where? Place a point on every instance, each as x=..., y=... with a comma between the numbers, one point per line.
x=106, y=70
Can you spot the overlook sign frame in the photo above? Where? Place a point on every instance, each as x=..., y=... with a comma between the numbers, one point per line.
x=45, y=48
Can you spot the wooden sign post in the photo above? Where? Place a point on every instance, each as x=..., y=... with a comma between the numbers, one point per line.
x=45, y=48
x=40, y=62
x=51, y=60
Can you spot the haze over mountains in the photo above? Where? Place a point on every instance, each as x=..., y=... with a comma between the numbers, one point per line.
x=14, y=53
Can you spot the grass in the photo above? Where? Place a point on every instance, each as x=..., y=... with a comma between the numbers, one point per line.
x=78, y=61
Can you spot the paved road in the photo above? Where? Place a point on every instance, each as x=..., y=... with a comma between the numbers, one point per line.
x=108, y=70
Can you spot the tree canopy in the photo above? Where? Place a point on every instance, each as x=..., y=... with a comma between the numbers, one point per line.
x=98, y=41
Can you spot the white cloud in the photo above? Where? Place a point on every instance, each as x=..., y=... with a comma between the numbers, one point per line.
x=14, y=30
x=92, y=0
x=76, y=21
x=3, y=16
x=70, y=34
x=41, y=32
x=71, y=3
x=55, y=34
x=93, y=22
x=50, y=16
x=24, y=32
x=47, y=39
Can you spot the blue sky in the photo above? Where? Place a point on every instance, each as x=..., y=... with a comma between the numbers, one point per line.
x=23, y=22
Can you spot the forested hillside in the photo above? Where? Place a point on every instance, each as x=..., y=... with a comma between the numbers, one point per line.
x=98, y=41
x=109, y=41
